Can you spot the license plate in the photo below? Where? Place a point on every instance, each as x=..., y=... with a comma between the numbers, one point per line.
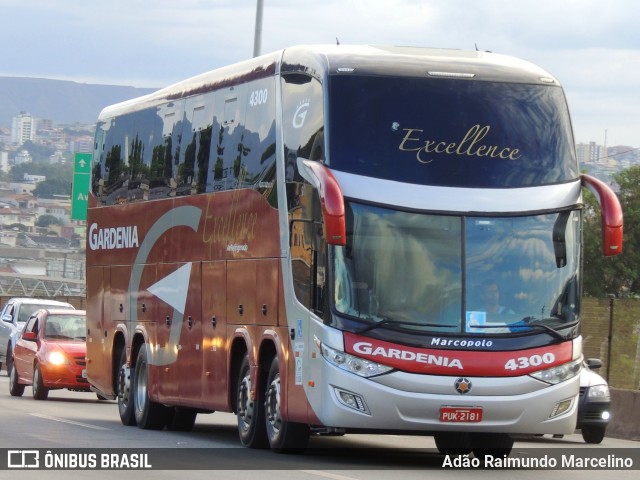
x=460, y=414
x=84, y=373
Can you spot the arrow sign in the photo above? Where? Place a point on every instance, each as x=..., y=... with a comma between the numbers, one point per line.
x=173, y=288
x=80, y=189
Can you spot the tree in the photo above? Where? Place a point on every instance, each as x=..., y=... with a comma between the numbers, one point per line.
x=617, y=275
x=47, y=220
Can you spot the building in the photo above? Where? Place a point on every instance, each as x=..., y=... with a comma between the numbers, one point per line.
x=23, y=129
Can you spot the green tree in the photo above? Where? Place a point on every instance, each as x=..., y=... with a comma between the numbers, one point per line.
x=47, y=220
x=49, y=188
x=619, y=275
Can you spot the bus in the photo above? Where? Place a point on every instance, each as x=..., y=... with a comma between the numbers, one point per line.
x=337, y=239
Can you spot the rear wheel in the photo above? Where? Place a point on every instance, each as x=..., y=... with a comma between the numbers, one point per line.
x=181, y=419
x=40, y=392
x=16, y=389
x=593, y=434
x=250, y=413
x=9, y=360
x=149, y=415
x=283, y=436
x=123, y=387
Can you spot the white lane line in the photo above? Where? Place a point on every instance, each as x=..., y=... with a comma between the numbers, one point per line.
x=71, y=422
x=333, y=476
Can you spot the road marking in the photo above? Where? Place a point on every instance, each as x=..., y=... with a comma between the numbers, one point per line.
x=71, y=422
x=333, y=476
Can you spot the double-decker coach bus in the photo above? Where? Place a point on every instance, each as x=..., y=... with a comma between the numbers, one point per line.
x=330, y=239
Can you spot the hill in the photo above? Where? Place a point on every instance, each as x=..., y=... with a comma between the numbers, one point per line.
x=63, y=102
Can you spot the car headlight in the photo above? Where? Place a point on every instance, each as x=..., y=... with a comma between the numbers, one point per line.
x=599, y=393
x=560, y=373
x=57, y=358
x=353, y=364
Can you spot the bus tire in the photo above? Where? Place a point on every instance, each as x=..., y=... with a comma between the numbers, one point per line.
x=149, y=415
x=181, y=419
x=494, y=444
x=123, y=389
x=453, y=443
x=284, y=436
x=250, y=414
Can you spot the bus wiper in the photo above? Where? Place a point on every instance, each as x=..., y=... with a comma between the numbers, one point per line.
x=528, y=323
x=389, y=321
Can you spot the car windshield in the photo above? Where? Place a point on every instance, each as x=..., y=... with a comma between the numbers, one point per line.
x=456, y=274
x=65, y=327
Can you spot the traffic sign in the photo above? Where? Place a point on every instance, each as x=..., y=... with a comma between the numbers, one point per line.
x=80, y=190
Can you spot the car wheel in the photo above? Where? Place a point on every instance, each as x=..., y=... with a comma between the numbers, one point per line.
x=123, y=388
x=9, y=360
x=249, y=412
x=16, y=389
x=593, y=434
x=40, y=392
x=283, y=436
x=149, y=415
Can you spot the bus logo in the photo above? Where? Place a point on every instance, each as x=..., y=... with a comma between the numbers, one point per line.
x=462, y=385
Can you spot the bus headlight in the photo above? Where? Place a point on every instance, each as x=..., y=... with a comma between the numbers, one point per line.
x=353, y=364
x=560, y=373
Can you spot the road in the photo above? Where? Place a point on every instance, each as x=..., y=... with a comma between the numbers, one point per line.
x=73, y=420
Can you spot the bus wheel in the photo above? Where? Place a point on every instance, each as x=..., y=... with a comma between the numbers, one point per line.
x=494, y=444
x=149, y=415
x=125, y=403
x=181, y=419
x=453, y=443
x=251, y=425
x=283, y=436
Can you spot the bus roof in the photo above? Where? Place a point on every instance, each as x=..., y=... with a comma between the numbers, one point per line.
x=324, y=60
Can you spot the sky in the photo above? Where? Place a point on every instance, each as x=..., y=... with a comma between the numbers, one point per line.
x=591, y=46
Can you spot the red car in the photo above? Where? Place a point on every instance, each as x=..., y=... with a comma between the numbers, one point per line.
x=50, y=353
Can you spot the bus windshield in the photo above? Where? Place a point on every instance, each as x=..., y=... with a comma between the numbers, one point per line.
x=450, y=132
x=456, y=274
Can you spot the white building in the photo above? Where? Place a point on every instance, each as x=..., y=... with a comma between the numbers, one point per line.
x=23, y=129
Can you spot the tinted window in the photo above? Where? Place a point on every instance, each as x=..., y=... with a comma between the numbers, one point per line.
x=451, y=132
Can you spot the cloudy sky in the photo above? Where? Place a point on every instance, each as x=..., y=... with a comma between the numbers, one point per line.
x=591, y=46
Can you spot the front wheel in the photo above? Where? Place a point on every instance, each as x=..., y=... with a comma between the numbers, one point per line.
x=16, y=389
x=593, y=434
x=149, y=415
x=494, y=444
x=453, y=443
x=283, y=436
x=40, y=392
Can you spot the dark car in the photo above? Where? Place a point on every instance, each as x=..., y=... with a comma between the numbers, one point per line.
x=13, y=316
x=594, y=407
x=50, y=353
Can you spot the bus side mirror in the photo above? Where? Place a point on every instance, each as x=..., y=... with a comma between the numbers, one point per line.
x=331, y=198
x=611, y=214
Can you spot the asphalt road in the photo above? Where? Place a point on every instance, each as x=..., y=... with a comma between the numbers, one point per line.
x=87, y=428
